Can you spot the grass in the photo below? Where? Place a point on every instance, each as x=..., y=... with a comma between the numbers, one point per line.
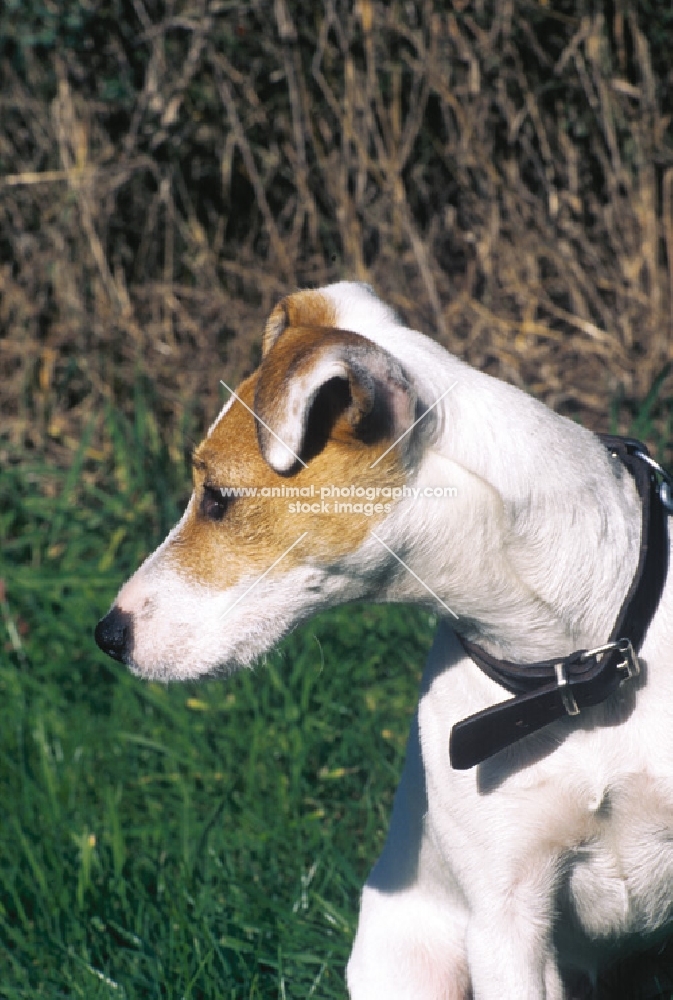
x=503, y=175
x=190, y=841
x=193, y=841
x=197, y=842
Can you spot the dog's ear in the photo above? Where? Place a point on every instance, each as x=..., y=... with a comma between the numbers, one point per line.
x=275, y=324
x=317, y=385
x=307, y=308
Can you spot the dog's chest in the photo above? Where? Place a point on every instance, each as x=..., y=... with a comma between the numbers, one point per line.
x=620, y=875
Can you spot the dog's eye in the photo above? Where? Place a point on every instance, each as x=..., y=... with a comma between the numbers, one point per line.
x=215, y=503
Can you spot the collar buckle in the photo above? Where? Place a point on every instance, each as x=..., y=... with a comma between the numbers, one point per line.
x=630, y=664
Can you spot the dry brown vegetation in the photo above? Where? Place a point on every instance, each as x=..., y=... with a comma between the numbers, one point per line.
x=502, y=173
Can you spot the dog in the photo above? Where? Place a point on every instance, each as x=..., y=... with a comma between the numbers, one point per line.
x=519, y=877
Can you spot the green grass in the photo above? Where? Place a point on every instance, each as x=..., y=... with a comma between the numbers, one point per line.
x=198, y=842
x=191, y=841
x=188, y=841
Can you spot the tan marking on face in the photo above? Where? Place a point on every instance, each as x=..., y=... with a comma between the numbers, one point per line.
x=255, y=531
x=307, y=308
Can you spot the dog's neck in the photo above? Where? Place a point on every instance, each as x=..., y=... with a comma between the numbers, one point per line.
x=536, y=552
x=555, y=519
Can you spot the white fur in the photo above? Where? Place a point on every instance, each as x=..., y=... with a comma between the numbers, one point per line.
x=501, y=879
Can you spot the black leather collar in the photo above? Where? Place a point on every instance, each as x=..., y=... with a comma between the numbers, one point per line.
x=548, y=690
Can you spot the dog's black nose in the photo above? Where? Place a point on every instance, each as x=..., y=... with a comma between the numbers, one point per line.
x=114, y=634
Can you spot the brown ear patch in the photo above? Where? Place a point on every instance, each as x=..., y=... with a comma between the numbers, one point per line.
x=307, y=308
x=257, y=530
x=321, y=383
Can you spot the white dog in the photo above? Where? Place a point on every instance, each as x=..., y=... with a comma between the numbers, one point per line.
x=507, y=879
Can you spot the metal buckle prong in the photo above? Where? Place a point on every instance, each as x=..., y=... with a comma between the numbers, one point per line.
x=567, y=697
x=630, y=662
x=607, y=648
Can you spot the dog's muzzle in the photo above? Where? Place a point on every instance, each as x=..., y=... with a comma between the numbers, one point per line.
x=114, y=634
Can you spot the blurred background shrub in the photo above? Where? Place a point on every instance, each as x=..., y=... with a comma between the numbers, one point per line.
x=502, y=173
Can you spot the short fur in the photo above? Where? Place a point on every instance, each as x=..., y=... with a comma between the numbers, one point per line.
x=505, y=881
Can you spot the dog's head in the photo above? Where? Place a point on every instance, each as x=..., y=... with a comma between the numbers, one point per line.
x=326, y=412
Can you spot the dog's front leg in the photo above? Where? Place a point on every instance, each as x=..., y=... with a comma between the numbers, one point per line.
x=407, y=948
x=510, y=954
x=410, y=943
